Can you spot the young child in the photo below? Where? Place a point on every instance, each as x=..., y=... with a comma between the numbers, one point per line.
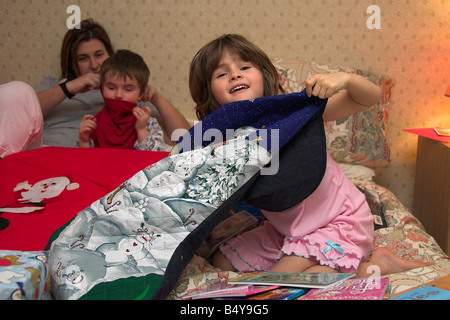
x=121, y=123
x=332, y=229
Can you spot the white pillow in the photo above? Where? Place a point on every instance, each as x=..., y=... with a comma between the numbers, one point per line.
x=357, y=172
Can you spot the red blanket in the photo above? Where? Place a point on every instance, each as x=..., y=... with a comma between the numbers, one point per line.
x=43, y=189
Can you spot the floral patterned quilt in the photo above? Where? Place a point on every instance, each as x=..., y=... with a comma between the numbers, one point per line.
x=134, y=242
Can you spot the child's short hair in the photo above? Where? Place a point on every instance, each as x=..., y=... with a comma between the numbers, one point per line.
x=125, y=63
x=207, y=59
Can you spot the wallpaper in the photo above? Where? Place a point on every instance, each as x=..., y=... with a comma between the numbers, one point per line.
x=406, y=40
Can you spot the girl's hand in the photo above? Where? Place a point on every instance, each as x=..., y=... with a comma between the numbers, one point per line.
x=347, y=93
x=327, y=85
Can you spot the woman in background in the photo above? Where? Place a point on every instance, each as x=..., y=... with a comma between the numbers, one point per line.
x=63, y=103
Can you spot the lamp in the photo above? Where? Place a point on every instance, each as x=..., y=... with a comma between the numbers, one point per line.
x=440, y=131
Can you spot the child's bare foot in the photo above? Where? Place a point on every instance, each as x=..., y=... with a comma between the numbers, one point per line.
x=388, y=263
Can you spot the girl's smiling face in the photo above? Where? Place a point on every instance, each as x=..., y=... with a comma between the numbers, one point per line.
x=236, y=80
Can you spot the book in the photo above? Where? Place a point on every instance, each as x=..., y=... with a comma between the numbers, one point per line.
x=225, y=289
x=280, y=294
x=294, y=279
x=424, y=293
x=352, y=289
x=442, y=283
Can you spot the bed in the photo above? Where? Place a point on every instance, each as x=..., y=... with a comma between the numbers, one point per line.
x=96, y=236
x=359, y=145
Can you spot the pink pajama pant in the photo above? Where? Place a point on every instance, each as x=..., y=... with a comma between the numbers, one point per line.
x=21, y=121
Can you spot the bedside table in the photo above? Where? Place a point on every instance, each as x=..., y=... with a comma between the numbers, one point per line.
x=432, y=189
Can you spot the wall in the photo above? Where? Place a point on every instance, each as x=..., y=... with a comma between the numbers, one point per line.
x=412, y=46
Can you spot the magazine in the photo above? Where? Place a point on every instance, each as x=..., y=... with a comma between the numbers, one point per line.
x=280, y=294
x=425, y=293
x=352, y=289
x=441, y=283
x=294, y=279
x=225, y=289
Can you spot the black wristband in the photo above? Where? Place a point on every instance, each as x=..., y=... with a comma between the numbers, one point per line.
x=64, y=89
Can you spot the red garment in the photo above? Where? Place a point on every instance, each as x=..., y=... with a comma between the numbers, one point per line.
x=30, y=214
x=115, y=125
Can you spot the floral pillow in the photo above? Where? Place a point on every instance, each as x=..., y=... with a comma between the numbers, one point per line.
x=358, y=139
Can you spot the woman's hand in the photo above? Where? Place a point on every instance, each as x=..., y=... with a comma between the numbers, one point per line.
x=84, y=83
x=151, y=94
x=52, y=97
x=172, y=122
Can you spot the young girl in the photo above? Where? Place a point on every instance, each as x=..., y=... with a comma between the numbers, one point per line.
x=331, y=230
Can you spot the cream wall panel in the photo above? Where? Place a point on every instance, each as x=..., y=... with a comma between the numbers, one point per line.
x=412, y=47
